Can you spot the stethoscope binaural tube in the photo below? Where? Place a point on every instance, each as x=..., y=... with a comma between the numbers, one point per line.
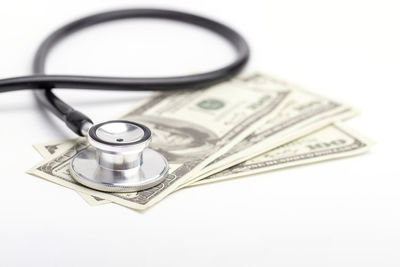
x=77, y=121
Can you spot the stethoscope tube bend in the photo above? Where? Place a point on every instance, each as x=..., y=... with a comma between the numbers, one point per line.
x=119, y=159
x=75, y=120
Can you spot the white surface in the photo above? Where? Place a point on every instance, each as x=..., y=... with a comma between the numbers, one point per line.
x=341, y=213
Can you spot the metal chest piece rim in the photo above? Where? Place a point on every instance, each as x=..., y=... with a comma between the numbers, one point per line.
x=119, y=159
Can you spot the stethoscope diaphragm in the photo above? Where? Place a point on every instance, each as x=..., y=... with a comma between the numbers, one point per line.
x=119, y=159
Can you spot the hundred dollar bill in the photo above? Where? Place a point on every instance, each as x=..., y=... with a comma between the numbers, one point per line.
x=331, y=142
x=304, y=113
x=266, y=162
x=190, y=129
x=49, y=149
x=320, y=123
x=334, y=141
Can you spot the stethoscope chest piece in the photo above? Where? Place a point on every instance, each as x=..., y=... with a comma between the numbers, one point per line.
x=119, y=159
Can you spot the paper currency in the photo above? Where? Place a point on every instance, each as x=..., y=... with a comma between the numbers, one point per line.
x=317, y=125
x=47, y=150
x=334, y=141
x=304, y=113
x=190, y=129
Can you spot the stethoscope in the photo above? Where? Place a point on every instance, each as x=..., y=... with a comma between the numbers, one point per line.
x=118, y=158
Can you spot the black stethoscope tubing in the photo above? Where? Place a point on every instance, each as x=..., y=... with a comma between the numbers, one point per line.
x=75, y=119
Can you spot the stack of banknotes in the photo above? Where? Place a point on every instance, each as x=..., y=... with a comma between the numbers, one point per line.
x=249, y=125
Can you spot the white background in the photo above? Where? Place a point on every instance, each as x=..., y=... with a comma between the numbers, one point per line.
x=339, y=213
